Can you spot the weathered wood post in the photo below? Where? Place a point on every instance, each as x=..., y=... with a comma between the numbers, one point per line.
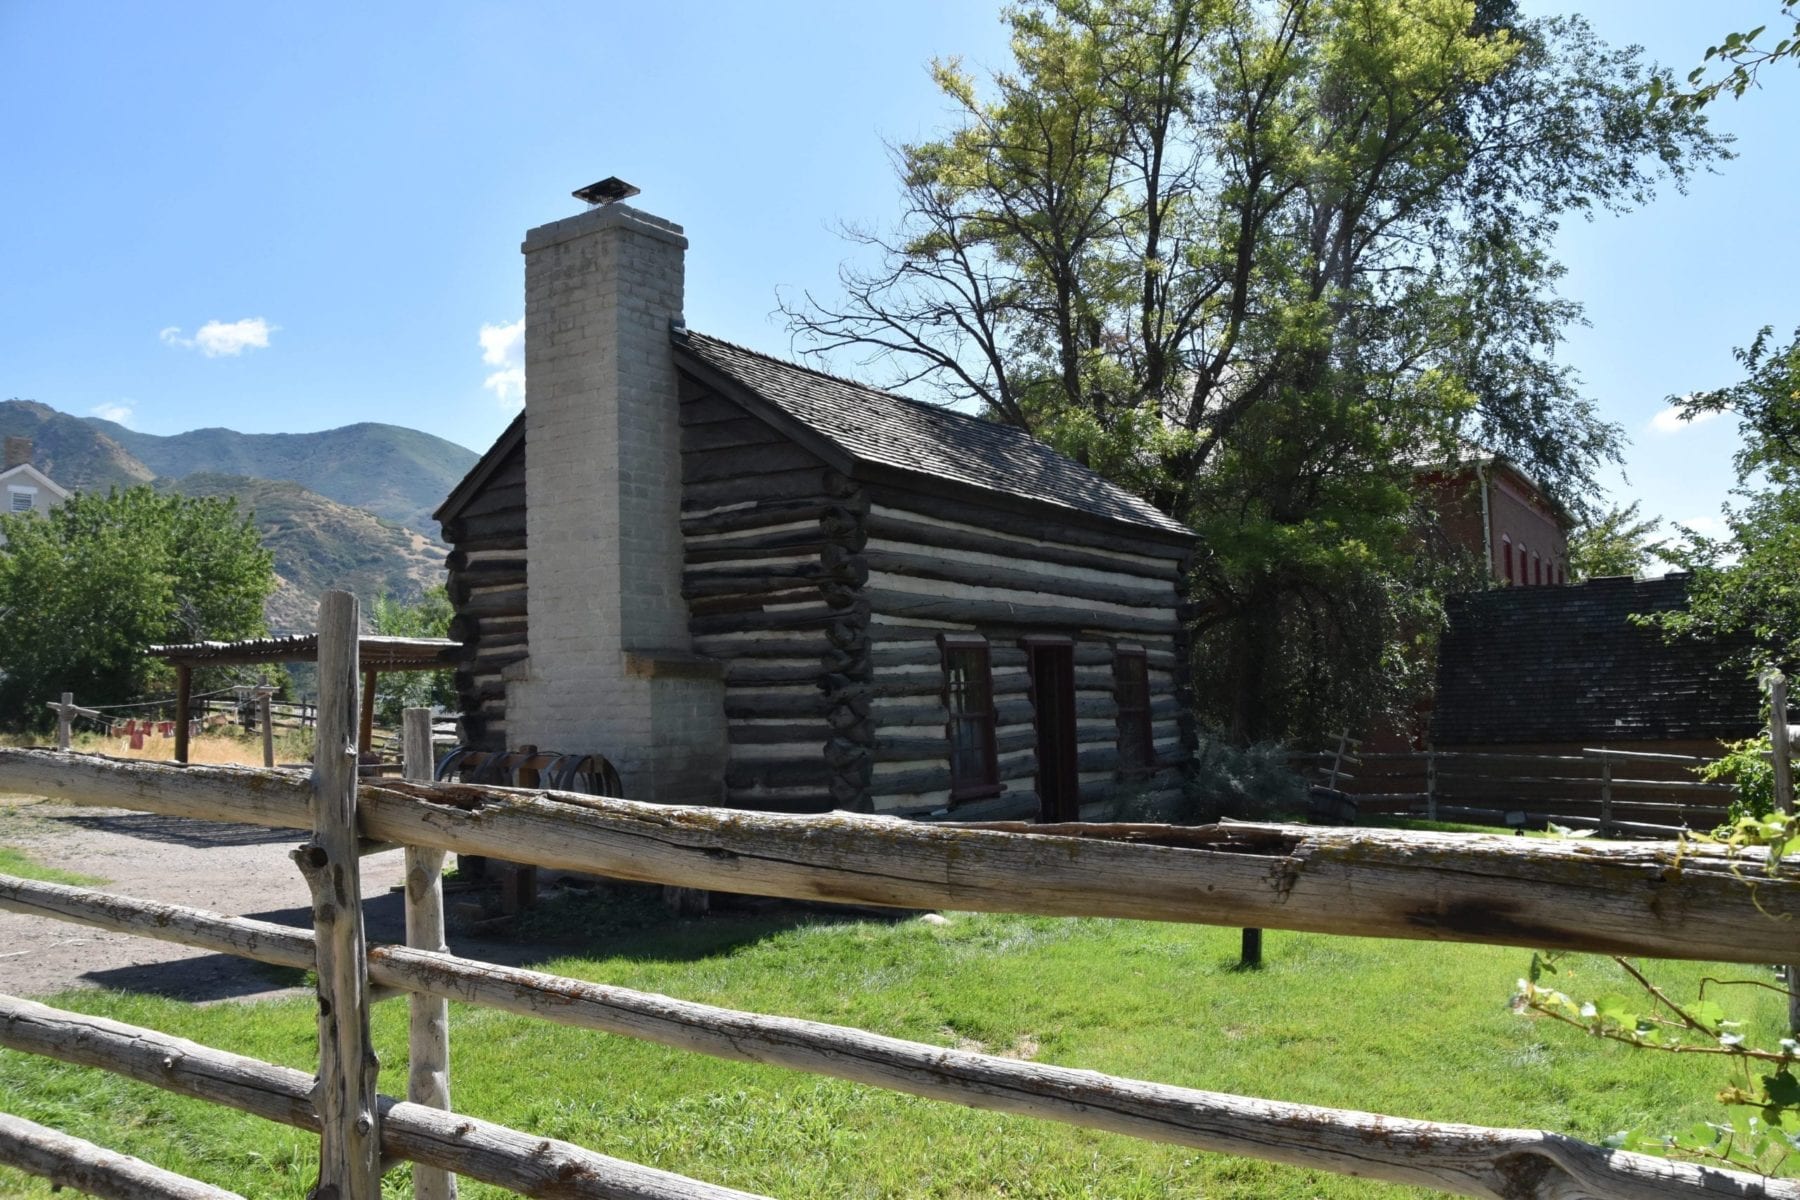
x=365, y=737
x=1606, y=817
x=428, y=1041
x=344, y=1092
x=184, y=709
x=66, y=712
x=1781, y=756
x=265, y=716
x=1431, y=785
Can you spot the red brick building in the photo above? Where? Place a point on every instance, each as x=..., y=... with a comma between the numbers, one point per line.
x=1499, y=513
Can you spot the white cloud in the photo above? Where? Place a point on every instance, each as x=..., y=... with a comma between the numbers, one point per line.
x=1670, y=420
x=118, y=414
x=217, y=339
x=503, y=346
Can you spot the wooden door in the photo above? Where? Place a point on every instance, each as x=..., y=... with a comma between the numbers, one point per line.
x=1053, y=711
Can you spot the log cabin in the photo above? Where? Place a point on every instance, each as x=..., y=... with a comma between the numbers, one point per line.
x=751, y=583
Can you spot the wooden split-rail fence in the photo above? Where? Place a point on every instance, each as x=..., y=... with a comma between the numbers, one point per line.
x=1628, y=898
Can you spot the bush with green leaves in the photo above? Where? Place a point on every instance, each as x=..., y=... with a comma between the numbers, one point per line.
x=1244, y=783
x=87, y=589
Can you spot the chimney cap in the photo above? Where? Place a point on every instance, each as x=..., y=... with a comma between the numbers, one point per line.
x=607, y=191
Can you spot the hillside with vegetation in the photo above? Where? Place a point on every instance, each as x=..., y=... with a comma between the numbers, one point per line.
x=320, y=544
x=347, y=508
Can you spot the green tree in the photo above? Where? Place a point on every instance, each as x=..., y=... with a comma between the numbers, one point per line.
x=1746, y=587
x=427, y=617
x=1614, y=542
x=1255, y=262
x=85, y=590
x=1741, y=57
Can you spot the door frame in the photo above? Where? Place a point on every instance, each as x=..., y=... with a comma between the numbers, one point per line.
x=1050, y=663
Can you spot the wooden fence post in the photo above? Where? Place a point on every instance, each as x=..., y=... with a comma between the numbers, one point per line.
x=266, y=717
x=428, y=1041
x=64, y=712
x=1606, y=821
x=184, y=709
x=344, y=1094
x=1431, y=785
x=1783, y=763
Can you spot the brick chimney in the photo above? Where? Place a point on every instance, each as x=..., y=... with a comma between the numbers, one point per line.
x=611, y=669
x=18, y=452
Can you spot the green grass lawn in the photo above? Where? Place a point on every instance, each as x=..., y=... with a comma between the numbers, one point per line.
x=14, y=861
x=1398, y=1027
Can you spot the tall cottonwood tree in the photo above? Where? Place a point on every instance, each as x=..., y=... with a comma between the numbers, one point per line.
x=1255, y=260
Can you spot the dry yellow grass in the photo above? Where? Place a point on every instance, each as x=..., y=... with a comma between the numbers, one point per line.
x=224, y=749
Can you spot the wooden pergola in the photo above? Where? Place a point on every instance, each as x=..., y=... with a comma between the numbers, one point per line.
x=375, y=654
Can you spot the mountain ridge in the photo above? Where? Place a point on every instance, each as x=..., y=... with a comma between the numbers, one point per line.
x=340, y=508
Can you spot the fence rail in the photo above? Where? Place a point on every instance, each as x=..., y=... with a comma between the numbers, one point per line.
x=1500, y=890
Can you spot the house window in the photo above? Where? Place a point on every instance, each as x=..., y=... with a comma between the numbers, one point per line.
x=969, y=697
x=1131, y=692
x=1506, y=557
x=1537, y=569
x=22, y=498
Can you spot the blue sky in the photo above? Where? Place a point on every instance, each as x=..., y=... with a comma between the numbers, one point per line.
x=282, y=218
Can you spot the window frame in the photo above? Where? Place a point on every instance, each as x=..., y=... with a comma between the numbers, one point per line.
x=1145, y=737
x=1506, y=556
x=16, y=493
x=988, y=784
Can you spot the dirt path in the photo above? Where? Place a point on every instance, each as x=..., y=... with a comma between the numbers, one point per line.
x=238, y=869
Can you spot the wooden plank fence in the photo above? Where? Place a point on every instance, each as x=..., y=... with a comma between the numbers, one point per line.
x=1630, y=898
x=1614, y=791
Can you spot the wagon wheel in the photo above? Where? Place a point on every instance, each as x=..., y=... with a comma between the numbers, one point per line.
x=451, y=761
x=591, y=774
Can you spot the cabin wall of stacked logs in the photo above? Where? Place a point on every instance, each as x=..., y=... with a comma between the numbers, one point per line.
x=825, y=597
x=486, y=585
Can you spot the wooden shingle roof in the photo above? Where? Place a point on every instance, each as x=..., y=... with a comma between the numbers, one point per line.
x=1528, y=665
x=870, y=427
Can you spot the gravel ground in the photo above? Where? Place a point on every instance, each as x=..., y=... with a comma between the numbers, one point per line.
x=242, y=870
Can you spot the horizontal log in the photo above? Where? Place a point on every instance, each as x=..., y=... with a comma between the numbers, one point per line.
x=1003, y=573
x=485, y=526
x=1699, y=902
x=507, y=602
x=890, y=526
x=700, y=406
x=1483, y=1162
x=529, y=1165
x=739, y=462
x=832, y=513
x=726, y=433
x=755, y=620
x=494, y=498
x=795, y=800
x=504, y=538
x=733, y=647
x=791, y=485
x=792, y=702
x=1007, y=614
x=1025, y=518
x=811, y=771
x=807, y=541
x=70, y=1162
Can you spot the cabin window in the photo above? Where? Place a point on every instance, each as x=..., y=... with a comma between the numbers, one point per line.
x=1131, y=692
x=969, y=697
x=21, y=498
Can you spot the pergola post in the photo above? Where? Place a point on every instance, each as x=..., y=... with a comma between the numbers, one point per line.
x=366, y=729
x=184, y=709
